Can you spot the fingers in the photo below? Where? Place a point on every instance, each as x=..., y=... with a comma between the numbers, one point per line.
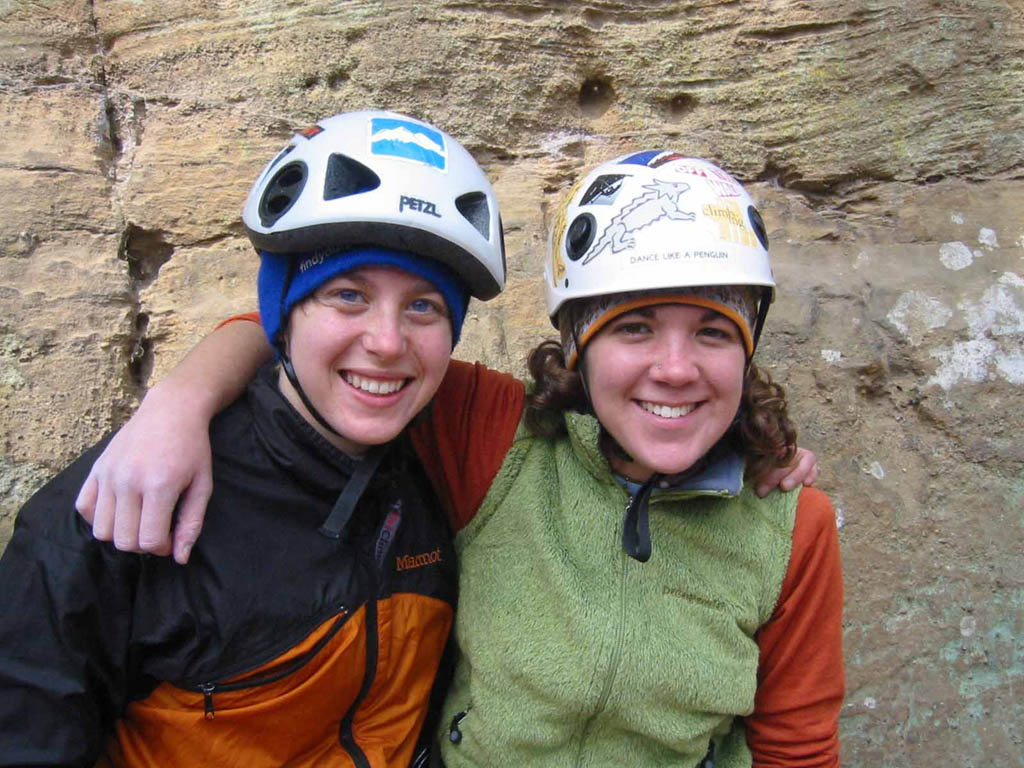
x=85, y=502
x=190, y=517
x=802, y=470
x=127, y=510
x=812, y=476
x=156, y=515
x=103, y=515
x=768, y=483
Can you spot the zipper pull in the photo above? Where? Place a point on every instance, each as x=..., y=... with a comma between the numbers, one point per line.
x=207, y=689
x=454, y=734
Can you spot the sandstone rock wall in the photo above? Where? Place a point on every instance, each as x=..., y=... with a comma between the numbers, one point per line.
x=884, y=139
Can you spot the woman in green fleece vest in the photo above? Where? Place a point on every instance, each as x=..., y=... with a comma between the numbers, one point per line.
x=615, y=579
x=626, y=598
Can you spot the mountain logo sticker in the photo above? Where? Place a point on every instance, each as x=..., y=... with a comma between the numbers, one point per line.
x=406, y=140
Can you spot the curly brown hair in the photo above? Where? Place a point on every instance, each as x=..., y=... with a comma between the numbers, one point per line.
x=763, y=432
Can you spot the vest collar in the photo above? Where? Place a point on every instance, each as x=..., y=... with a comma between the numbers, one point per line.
x=720, y=472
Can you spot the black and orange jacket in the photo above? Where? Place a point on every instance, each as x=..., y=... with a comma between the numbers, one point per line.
x=278, y=644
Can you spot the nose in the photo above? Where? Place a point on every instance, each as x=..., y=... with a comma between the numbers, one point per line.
x=384, y=336
x=675, y=361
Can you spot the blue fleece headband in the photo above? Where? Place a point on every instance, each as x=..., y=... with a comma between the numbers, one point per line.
x=312, y=270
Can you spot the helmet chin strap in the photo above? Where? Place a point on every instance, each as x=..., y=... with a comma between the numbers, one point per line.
x=333, y=527
x=762, y=313
x=281, y=344
x=289, y=371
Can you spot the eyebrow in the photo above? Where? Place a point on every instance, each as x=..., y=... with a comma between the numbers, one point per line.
x=421, y=286
x=713, y=314
x=648, y=312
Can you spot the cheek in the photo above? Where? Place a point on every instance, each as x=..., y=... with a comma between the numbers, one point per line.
x=605, y=389
x=435, y=352
x=730, y=384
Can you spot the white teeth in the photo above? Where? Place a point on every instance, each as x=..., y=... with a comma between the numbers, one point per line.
x=667, y=411
x=374, y=386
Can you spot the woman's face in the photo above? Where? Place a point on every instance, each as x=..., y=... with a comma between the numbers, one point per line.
x=665, y=382
x=370, y=348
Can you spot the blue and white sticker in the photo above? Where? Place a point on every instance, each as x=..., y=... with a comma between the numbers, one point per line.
x=407, y=140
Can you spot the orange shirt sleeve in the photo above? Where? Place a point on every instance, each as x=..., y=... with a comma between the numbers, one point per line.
x=252, y=317
x=463, y=441
x=800, y=688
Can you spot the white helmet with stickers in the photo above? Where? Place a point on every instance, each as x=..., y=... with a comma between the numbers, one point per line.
x=380, y=179
x=656, y=220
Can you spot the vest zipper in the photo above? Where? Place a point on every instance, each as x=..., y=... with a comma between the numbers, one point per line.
x=208, y=689
x=614, y=659
x=454, y=729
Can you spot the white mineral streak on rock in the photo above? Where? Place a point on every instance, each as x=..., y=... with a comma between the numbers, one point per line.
x=996, y=326
x=956, y=218
x=955, y=256
x=1011, y=366
x=554, y=143
x=988, y=238
x=1001, y=309
x=916, y=313
x=831, y=355
x=876, y=471
x=963, y=361
x=968, y=626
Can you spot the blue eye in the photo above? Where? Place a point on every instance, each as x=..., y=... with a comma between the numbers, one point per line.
x=340, y=297
x=424, y=306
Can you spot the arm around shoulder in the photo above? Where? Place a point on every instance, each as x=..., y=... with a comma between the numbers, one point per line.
x=800, y=673
x=473, y=420
x=161, y=458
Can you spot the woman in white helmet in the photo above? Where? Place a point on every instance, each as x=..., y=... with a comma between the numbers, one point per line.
x=308, y=625
x=626, y=598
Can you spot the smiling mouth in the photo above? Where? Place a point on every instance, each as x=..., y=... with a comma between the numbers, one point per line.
x=374, y=386
x=667, y=411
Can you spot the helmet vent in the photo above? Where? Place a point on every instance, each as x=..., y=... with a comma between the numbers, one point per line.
x=758, y=225
x=603, y=191
x=281, y=192
x=346, y=177
x=473, y=207
x=580, y=236
x=280, y=156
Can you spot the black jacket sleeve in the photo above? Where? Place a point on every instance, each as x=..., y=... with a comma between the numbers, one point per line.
x=65, y=624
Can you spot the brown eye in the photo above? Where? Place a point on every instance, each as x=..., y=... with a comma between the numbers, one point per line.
x=632, y=328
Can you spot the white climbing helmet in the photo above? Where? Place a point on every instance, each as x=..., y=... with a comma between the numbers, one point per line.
x=655, y=220
x=380, y=179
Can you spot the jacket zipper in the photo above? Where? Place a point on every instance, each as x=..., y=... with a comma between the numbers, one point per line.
x=345, y=735
x=208, y=689
x=391, y=523
x=614, y=659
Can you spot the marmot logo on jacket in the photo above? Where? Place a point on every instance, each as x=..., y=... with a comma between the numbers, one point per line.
x=408, y=562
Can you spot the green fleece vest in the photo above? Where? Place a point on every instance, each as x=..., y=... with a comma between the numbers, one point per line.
x=574, y=654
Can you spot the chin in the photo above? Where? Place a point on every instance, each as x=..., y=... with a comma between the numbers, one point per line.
x=669, y=466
